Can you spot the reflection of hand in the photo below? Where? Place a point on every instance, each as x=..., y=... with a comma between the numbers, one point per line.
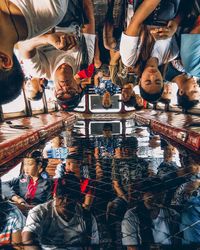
x=61, y=41
x=164, y=32
x=99, y=173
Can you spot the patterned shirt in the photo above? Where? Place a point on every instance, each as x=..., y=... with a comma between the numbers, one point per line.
x=106, y=85
x=13, y=222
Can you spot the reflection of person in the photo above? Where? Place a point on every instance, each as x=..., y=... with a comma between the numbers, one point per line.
x=11, y=224
x=126, y=169
x=31, y=187
x=62, y=222
x=149, y=222
x=22, y=21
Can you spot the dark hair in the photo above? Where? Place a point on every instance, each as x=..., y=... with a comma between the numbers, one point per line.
x=165, y=100
x=68, y=185
x=105, y=70
x=132, y=103
x=108, y=126
x=107, y=107
x=11, y=82
x=152, y=98
x=130, y=142
x=37, y=156
x=184, y=101
x=37, y=97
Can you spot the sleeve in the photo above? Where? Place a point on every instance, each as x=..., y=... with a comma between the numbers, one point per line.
x=129, y=49
x=90, y=42
x=18, y=220
x=9, y=188
x=95, y=233
x=37, y=66
x=35, y=221
x=60, y=171
x=165, y=50
x=130, y=225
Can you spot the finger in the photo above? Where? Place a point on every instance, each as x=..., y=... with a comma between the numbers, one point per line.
x=71, y=42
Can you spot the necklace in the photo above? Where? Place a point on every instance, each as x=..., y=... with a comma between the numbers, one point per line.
x=12, y=20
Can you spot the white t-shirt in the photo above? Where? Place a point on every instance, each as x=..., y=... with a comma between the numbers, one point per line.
x=160, y=231
x=130, y=48
x=131, y=229
x=48, y=59
x=54, y=232
x=41, y=15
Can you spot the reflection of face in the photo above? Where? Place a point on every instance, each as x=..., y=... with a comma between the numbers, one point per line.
x=72, y=165
x=56, y=142
x=65, y=84
x=31, y=168
x=127, y=92
x=152, y=200
x=106, y=101
x=167, y=92
x=191, y=89
x=107, y=133
x=151, y=80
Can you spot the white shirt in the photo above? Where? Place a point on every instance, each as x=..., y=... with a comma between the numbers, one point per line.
x=48, y=59
x=52, y=231
x=130, y=48
x=41, y=15
x=160, y=231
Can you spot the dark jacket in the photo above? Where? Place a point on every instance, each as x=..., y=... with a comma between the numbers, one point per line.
x=19, y=186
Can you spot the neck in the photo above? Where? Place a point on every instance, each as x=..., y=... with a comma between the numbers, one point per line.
x=152, y=62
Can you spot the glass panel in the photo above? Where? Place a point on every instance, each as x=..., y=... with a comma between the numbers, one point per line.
x=18, y=105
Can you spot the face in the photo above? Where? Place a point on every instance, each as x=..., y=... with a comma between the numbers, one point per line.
x=56, y=142
x=167, y=92
x=151, y=80
x=152, y=200
x=107, y=132
x=65, y=84
x=31, y=168
x=64, y=203
x=72, y=165
x=127, y=92
x=106, y=101
x=191, y=89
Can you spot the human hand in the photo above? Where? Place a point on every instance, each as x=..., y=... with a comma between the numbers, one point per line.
x=62, y=41
x=164, y=32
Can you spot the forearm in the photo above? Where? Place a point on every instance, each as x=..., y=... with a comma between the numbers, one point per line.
x=119, y=191
x=89, y=12
x=27, y=49
x=143, y=11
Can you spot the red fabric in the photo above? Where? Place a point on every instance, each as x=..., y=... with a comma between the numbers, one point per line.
x=86, y=73
x=32, y=188
x=85, y=188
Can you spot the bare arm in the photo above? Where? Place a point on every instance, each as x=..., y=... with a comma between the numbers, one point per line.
x=143, y=11
x=29, y=240
x=17, y=240
x=89, y=12
x=59, y=40
x=118, y=190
